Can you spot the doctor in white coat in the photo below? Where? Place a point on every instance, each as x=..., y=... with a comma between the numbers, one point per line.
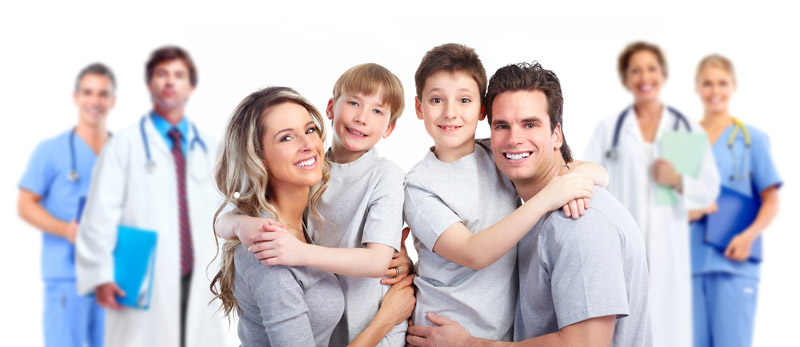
x=136, y=183
x=627, y=145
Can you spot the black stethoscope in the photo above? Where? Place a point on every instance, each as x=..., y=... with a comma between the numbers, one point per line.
x=738, y=173
x=73, y=173
x=151, y=164
x=613, y=153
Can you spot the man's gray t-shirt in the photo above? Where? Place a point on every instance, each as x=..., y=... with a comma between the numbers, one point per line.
x=283, y=305
x=574, y=270
x=471, y=191
x=363, y=204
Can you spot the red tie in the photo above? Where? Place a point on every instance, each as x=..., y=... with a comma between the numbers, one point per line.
x=187, y=257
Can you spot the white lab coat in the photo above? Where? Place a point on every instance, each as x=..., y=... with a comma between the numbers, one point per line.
x=124, y=192
x=665, y=228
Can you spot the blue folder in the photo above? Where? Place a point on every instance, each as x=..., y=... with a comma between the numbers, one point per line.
x=134, y=265
x=735, y=213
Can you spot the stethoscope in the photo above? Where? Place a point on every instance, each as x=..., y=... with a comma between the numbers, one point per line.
x=739, y=173
x=73, y=173
x=150, y=164
x=613, y=153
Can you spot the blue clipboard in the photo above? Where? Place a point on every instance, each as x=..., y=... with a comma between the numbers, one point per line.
x=134, y=265
x=735, y=213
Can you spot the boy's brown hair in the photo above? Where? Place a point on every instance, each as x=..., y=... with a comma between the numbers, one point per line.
x=367, y=79
x=451, y=57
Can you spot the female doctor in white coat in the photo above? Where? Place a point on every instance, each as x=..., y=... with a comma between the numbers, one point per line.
x=134, y=184
x=627, y=145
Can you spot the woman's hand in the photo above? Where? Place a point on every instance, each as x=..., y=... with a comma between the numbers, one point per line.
x=570, y=192
x=398, y=303
x=695, y=215
x=664, y=174
x=277, y=246
x=739, y=248
x=401, y=261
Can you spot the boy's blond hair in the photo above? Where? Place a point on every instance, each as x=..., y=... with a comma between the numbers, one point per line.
x=367, y=79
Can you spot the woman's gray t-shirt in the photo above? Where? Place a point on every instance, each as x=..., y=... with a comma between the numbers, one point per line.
x=283, y=305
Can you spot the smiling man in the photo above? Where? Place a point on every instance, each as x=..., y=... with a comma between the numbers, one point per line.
x=581, y=282
x=56, y=180
x=144, y=179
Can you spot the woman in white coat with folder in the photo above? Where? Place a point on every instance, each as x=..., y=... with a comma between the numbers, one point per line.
x=134, y=185
x=628, y=144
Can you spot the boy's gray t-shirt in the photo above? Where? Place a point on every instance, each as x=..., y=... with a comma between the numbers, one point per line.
x=471, y=191
x=363, y=204
x=283, y=305
x=574, y=270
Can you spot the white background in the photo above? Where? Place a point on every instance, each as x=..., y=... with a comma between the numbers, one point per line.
x=239, y=47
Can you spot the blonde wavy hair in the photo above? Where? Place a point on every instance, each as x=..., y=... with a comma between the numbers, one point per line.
x=241, y=169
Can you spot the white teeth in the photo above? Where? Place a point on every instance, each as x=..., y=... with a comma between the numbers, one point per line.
x=356, y=132
x=449, y=128
x=517, y=156
x=307, y=162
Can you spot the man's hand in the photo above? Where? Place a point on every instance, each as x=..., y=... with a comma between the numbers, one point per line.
x=106, y=294
x=400, y=260
x=446, y=333
x=72, y=231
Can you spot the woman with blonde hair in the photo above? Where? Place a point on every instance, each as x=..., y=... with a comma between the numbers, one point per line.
x=272, y=165
x=629, y=146
x=726, y=269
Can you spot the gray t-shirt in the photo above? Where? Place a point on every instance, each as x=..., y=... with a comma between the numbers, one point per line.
x=473, y=192
x=363, y=204
x=574, y=270
x=283, y=305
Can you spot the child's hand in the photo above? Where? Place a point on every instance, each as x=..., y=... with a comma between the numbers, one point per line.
x=247, y=228
x=401, y=261
x=278, y=246
x=570, y=192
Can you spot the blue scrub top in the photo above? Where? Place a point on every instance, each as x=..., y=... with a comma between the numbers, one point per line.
x=47, y=175
x=758, y=161
x=163, y=127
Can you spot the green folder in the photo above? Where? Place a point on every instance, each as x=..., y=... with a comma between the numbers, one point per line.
x=685, y=151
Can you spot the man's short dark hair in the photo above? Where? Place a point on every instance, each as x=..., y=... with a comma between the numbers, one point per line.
x=96, y=69
x=530, y=77
x=168, y=53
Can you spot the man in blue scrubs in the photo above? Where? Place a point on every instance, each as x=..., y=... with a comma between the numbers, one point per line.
x=57, y=178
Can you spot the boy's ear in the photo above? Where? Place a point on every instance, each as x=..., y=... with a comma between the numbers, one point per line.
x=388, y=130
x=418, y=107
x=329, y=109
x=482, y=115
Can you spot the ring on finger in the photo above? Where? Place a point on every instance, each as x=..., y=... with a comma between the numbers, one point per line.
x=397, y=268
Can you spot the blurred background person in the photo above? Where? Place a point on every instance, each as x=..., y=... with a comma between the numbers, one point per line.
x=50, y=194
x=628, y=145
x=725, y=280
x=144, y=179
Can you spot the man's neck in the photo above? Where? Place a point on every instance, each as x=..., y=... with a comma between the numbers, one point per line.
x=530, y=187
x=95, y=135
x=172, y=116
